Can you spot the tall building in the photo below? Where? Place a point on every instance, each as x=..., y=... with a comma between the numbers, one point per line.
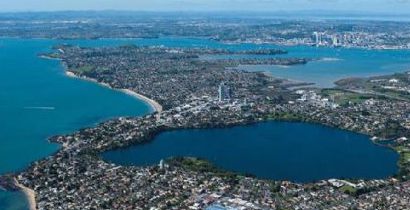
x=335, y=41
x=318, y=38
x=224, y=92
x=161, y=164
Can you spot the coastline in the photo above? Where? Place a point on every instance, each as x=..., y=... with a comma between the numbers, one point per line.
x=29, y=193
x=89, y=79
x=49, y=58
x=152, y=103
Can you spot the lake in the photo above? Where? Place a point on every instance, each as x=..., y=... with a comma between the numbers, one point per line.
x=299, y=152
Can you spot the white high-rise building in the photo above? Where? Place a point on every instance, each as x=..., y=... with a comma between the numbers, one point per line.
x=318, y=38
x=335, y=41
x=224, y=92
x=161, y=164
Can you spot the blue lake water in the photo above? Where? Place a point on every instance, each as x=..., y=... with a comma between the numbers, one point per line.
x=298, y=152
x=37, y=100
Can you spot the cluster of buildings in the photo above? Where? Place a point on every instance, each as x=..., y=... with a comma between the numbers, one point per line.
x=310, y=96
x=243, y=29
x=399, y=83
x=168, y=77
x=334, y=34
x=351, y=40
x=383, y=118
x=202, y=94
x=323, y=39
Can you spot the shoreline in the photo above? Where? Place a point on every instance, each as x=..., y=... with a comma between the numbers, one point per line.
x=29, y=193
x=155, y=105
x=152, y=103
x=49, y=58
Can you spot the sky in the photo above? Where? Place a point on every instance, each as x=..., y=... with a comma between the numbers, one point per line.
x=375, y=6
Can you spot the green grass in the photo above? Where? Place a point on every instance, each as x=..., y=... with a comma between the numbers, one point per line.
x=393, y=93
x=85, y=69
x=201, y=165
x=343, y=97
x=406, y=156
x=401, y=149
x=404, y=152
x=348, y=189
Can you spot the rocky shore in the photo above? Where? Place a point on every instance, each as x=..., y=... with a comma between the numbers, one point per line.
x=7, y=183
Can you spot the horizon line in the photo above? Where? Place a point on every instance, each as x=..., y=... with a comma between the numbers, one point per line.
x=262, y=12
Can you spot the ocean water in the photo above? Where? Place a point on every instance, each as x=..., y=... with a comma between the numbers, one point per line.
x=299, y=152
x=13, y=201
x=330, y=64
x=336, y=64
x=38, y=101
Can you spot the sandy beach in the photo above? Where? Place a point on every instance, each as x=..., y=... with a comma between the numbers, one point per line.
x=154, y=105
x=29, y=193
x=71, y=74
x=49, y=58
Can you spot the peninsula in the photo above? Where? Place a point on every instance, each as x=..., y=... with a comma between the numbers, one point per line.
x=197, y=93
